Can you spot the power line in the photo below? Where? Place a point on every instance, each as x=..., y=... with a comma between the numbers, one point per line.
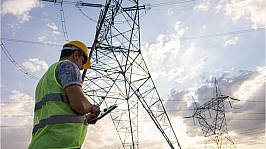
x=177, y=100
x=222, y=34
x=119, y=22
x=15, y=63
x=15, y=126
x=87, y=16
x=248, y=112
x=250, y=129
x=192, y=8
x=167, y=111
x=78, y=4
x=246, y=119
x=181, y=39
x=16, y=115
x=251, y=133
x=30, y=42
x=171, y=3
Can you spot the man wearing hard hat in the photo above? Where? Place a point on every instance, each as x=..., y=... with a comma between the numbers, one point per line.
x=62, y=112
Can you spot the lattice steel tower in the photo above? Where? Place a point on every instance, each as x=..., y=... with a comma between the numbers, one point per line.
x=211, y=117
x=118, y=74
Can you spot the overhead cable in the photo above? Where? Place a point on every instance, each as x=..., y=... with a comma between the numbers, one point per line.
x=15, y=63
x=63, y=22
x=87, y=16
x=30, y=42
x=171, y=3
x=222, y=34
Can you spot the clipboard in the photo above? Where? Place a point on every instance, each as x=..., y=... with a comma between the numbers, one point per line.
x=104, y=112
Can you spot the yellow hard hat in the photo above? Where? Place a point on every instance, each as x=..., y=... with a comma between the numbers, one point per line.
x=83, y=48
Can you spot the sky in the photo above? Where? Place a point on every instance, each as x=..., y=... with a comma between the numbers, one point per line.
x=185, y=44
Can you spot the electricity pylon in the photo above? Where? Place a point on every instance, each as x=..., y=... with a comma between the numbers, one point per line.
x=119, y=74
x=211, y=117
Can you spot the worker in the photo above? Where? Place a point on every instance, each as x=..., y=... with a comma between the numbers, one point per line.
x=62, y=112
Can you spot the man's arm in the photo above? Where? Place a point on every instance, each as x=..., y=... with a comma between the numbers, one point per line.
x=68, y=76
x=79, y=102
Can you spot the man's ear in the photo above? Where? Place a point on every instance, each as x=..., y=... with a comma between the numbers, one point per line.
x=75, y=55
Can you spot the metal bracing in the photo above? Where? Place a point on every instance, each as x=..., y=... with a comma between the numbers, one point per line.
x=118, y=74
x=211, y=117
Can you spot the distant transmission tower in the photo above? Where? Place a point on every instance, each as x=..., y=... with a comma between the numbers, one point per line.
x=119, y=74
x=211, y=117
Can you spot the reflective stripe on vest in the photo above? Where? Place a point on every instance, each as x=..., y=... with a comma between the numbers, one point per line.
x=59, y=119
x=51, y=97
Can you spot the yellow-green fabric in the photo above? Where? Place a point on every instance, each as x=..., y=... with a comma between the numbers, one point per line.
x=56, y=125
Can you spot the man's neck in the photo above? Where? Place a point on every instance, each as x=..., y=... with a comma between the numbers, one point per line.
x=64, y=58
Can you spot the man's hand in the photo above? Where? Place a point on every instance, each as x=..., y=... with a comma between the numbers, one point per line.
x=95, y=110
x=93, y=114
x=89, y=117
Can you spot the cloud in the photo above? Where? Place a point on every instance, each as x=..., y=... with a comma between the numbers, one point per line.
x=230, y=42
x=50, y=33
x=34, y=64
x=56, y=33
x=190, y=51
x=253, y=10
x=168, y=59
x=248, y=87
x=52, y=26
x=18, y=112
x=170, y=11
x=41, y=38
x=205, y=5
x=164, y=50
x=20, y=8
x=174, y=73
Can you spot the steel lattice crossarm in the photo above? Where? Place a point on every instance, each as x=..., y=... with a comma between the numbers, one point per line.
x=211, y=116
x=78, y=3
x=118, y=74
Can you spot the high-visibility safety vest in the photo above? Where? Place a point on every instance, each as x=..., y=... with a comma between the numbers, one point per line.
x=56, y=125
